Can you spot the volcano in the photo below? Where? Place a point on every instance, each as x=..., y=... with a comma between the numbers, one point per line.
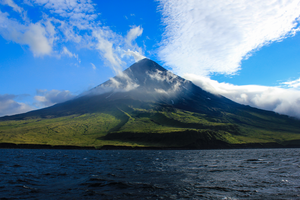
x=149, y=106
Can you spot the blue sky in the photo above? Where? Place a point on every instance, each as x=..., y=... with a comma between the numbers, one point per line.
x=53, y=50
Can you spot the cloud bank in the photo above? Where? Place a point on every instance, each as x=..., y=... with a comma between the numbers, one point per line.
x=280, y=100
x=46, y=98
x=205, y=37
x=9, y=105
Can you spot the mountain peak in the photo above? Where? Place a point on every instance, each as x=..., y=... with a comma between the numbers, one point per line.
x=144, y=75
x=145, y=65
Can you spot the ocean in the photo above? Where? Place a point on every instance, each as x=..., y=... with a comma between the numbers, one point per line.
x=150, y=174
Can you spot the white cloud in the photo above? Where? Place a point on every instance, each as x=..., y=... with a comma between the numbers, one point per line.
x=136, y=55
x=121, y=83
x=49, y=98
x=204, y=37
x=283, y=101
x=16, y=8
x=36, y=38
x=94, y=67
x=69, y=32
x=80, y=14
x=172, y=91
x=34, y=35
x=8, y=105
x=168, y=77
x=12, y=4
x=133, y=34
x=68, y=53
x=161, y=76
x=293, y=84
x=161, y=91
x=44, y=98
x=107, y=49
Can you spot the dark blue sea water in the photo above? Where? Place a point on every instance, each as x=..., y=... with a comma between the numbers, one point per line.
x=150, y=174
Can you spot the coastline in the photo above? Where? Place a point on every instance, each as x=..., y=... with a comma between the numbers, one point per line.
x=112, y=147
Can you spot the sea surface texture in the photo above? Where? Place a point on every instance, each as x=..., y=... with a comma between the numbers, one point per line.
x=150, y=174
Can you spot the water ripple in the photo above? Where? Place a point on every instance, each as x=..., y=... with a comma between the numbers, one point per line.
x=121, y=174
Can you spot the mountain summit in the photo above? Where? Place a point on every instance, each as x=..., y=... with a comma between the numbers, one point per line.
x=149, y=106
x=146, y=78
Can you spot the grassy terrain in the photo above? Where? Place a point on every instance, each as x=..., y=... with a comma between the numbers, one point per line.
x=150, y=126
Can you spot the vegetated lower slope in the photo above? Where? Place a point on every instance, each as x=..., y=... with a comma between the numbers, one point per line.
x=151, y=107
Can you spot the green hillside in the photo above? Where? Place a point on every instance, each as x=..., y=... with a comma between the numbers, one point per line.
x=153, y=125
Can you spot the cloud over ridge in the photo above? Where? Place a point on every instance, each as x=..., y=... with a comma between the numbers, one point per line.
x=205, y=37
x=280, y=100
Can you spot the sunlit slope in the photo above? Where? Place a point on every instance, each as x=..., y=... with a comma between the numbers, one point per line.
x=134, y=123
x=149, y=106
